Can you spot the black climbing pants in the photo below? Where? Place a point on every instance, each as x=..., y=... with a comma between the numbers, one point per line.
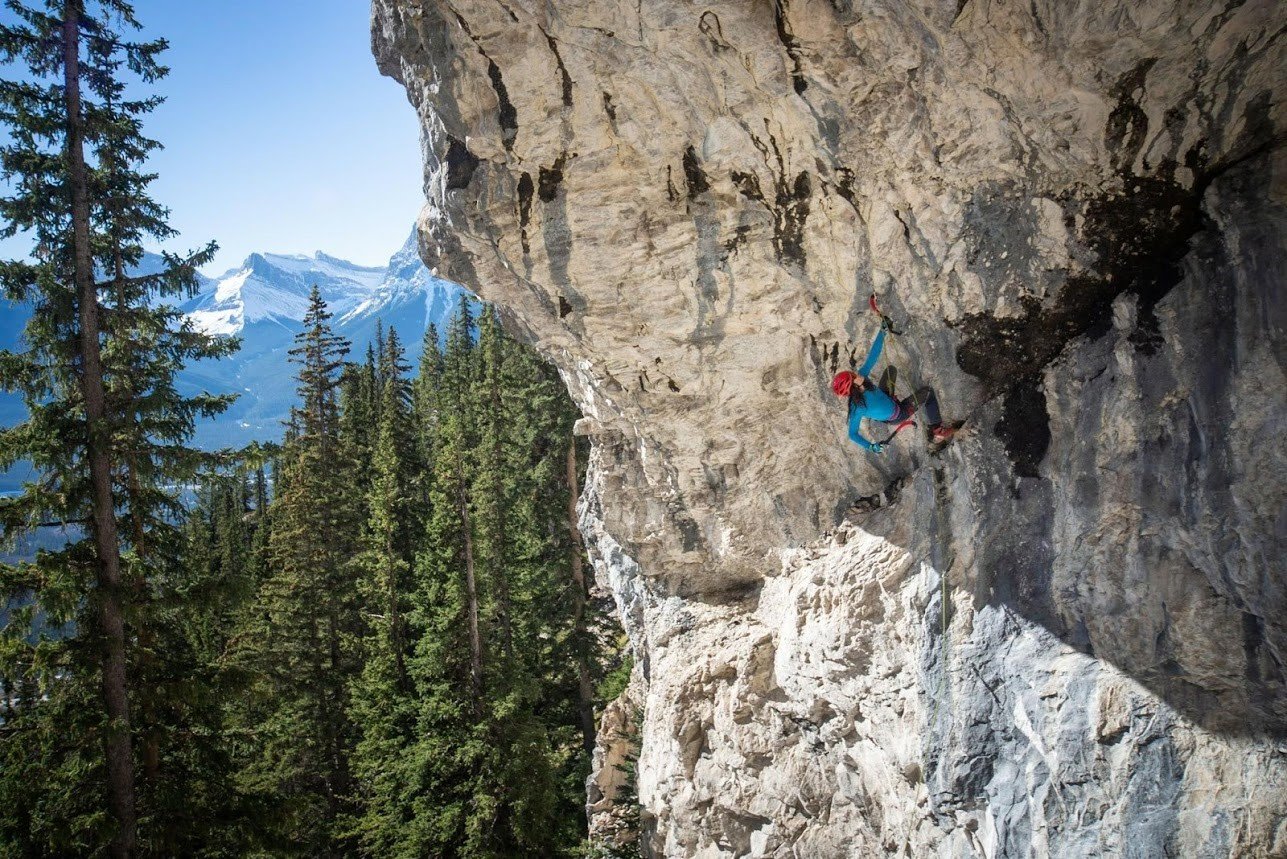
x=923, y=400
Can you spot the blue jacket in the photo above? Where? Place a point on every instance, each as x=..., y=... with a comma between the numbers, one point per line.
x=876, y=404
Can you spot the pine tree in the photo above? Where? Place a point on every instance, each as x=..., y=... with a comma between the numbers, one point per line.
x=106, y=432
x=486, y=757
x=546, y=563
x=301, y=642
x=384, y=703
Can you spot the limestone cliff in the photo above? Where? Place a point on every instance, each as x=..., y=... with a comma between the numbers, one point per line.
x=1063, y=635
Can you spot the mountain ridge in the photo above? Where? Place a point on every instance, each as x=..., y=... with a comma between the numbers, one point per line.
x=262, y=301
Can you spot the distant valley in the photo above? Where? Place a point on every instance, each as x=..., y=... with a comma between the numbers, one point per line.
x=262, y=301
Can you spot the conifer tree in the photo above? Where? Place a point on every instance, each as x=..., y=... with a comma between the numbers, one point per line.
x=447, y=663
x=301, y=642
x=552, y=616
x=106, y=432
x=485, y=755
x=383, y=699
x=424, y=392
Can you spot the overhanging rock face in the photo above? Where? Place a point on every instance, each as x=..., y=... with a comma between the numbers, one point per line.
x=1063, y=635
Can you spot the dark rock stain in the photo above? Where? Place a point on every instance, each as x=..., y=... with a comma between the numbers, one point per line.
x=694, y=177
x=1024, y=427
x=710, y=252
x=461, y=164
x=845, y=187
x=1139, y=238
x=907, y=231
x=610, y=109
x=549, y=179
x=740, y=233
x=690, y=536
x=506, y=114
x=710, y=26
x=564, y=307
x=791, y=43
x=563, y=70
x=791, y=210
x=525, y=190
x=1128, y=123
x=748, y=184
x=555, y=232
x=508, y=11
x=1253, y=636
x=1036, y=18
x=791, y=200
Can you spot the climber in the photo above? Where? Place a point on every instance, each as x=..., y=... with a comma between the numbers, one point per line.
x=866, y=400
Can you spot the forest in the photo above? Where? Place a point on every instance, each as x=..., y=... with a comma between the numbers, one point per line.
x=374, y=638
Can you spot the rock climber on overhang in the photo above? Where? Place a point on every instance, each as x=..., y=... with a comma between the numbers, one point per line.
x=877, y=403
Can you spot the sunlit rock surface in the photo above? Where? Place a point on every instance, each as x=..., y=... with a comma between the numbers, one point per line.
x=1064, y=635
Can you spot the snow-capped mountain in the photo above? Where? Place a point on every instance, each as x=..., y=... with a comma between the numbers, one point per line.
x=262, y=301
x=274, y=288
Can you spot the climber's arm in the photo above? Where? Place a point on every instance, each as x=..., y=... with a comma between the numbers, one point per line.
x=855, y=432
x=873, y=354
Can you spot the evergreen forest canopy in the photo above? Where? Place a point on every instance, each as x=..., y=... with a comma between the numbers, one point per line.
x=374, y=639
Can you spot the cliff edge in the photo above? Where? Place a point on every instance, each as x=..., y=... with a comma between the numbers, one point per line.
x=1062, y=635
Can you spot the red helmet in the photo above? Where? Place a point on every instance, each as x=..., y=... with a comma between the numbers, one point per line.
x=843, y=382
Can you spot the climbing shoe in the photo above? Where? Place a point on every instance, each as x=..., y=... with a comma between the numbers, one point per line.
x=942, y=433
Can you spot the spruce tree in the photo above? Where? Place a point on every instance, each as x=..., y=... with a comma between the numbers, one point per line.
x=301, y=640
x=546, y=563
x=106, y=433
x=485, y=756
x=447, y=663
x=383, y=698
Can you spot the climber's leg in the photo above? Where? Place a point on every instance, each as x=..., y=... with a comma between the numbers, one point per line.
x=923, y=400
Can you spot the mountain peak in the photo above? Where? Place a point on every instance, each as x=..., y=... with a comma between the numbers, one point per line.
x=275, y=288
x=323, y=257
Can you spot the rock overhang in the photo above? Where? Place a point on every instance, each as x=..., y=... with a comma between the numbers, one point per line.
x=696, y=210
x=1077, y=214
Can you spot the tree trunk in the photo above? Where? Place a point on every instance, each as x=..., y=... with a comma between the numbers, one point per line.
x=580, y=595
x=120, y=756
x=151, y=752
x=338, y=786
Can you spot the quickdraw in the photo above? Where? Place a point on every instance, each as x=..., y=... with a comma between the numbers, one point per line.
x=885, y=322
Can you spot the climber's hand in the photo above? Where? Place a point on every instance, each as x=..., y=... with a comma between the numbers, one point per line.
x=877, y=447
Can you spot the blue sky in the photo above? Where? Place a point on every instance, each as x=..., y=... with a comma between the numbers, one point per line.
x=279, y=133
